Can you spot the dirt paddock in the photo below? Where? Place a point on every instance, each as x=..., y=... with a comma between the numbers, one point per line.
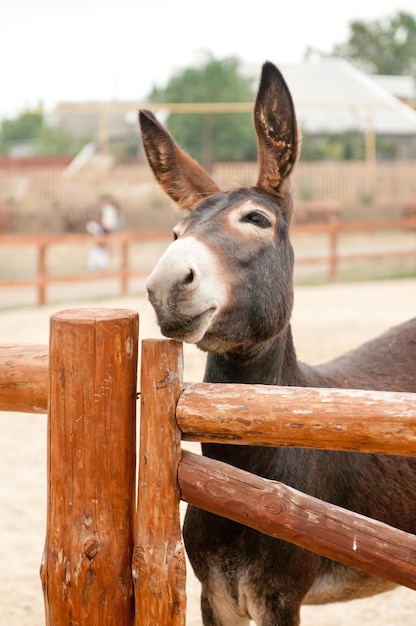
x=327, y=321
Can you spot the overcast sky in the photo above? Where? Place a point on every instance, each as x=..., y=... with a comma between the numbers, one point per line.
x=89, y=50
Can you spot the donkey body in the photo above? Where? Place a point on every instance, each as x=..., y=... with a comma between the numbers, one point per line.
x=226, y=285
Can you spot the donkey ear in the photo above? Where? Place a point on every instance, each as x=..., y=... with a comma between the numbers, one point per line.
x=182, y=178
x=276, y=127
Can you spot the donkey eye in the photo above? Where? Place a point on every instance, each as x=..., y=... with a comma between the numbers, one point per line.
x=259, y=219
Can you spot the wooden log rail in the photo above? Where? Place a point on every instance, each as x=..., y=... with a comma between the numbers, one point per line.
x=333, y=229
x=100, y=550
x=24, y=378
x=285, y=513
x=300, y=417
x=303, y=417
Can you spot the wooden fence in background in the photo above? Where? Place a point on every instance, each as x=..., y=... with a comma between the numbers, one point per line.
x=357, y=185
x=332, y=258
x=43, y=242
x=108, y=561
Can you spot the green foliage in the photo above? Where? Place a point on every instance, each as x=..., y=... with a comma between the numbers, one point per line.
x=46, y=139
x=26, y=127
x=57, y=140
x=387, y=147
x=347, y=146
x=380, y=46
x=211, y=137
x=335, y=146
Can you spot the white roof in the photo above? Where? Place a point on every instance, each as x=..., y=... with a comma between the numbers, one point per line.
x=331, y=95
x=403, y=87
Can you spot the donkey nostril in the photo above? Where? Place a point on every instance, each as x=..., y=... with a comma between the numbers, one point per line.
x=189, y=278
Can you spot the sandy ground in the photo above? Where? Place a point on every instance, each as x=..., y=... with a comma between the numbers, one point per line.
x=327, y=321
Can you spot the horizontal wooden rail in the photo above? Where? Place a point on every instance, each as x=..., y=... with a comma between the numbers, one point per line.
x=285, y=513
x=267, y=415
x=24, y=381
x=337, y=419
x=13, y=239
x=367, y=256
x=407, y=223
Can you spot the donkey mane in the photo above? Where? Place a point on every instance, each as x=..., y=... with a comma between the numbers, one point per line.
x=226, y=284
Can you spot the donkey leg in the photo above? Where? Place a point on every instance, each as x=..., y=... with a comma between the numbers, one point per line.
x=278, y=616
x=220, y=612
x=270, y=610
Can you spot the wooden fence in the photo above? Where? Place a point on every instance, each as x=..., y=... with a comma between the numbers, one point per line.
x=124, y=272
x=43, y=242
x=107, y=561
x=60, y=193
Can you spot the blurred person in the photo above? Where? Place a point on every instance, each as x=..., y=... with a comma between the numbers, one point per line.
x=98, y=258
x=110, y=215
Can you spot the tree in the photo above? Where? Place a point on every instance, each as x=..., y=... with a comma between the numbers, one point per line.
x=24, y=128
x=216, y=136
x=46, y=139
x=58, y=140
x=380, y=46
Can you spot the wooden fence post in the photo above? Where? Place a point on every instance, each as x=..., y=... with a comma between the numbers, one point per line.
x=42, y=271
x=159, y=559
x=86, y=573
x=333, y=254
x=124, y=266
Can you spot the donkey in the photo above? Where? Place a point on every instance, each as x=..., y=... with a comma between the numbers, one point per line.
x=225, y=284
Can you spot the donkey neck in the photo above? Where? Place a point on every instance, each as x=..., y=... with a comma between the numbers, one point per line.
x=274, y=363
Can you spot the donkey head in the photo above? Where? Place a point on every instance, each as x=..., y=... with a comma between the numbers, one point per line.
x=225, y=283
